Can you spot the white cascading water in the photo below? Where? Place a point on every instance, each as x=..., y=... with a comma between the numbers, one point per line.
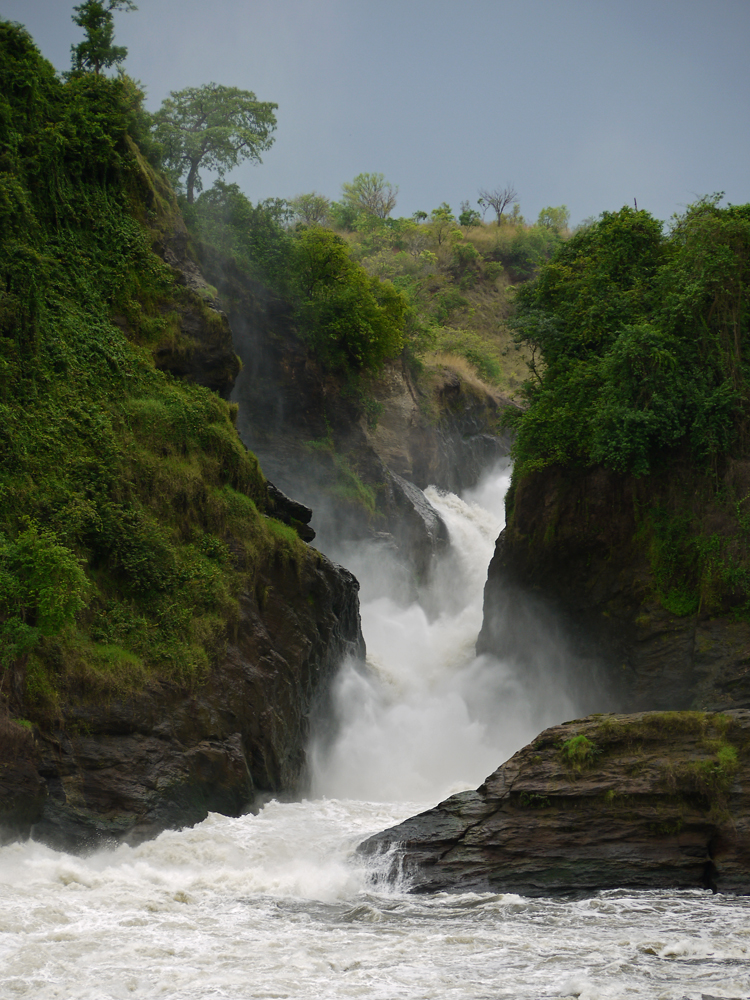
x=276, y=905
x=429, y=718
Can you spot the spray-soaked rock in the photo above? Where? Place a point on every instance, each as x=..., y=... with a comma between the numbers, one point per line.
x=580, y=541
x=648, y=801
x=291, y=512
x=127, y=768
x=418, y=528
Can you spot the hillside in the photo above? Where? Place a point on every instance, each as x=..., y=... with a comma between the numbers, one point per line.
x=140, y=574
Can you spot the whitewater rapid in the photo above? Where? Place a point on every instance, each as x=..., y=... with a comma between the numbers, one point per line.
x=277, y=905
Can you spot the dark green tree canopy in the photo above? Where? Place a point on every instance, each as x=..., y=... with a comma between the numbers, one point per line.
x=639, y=342
x=212, y=127
x=97, y=51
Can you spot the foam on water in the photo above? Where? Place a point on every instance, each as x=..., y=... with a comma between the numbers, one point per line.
x=276, y=905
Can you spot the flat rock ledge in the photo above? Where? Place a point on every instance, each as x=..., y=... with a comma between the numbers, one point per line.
x=655, y=800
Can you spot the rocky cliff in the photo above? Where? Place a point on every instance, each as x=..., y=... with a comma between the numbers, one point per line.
x=127, y=767
x=164, y=631
x=317, y=440
x=600, y=548
x=647, y=801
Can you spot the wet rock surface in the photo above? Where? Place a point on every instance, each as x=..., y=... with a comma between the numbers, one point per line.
x=645, y=801
x=291, y=512
x=165, y=757
x=203, y=352
x=418, y=527
x=572, y=540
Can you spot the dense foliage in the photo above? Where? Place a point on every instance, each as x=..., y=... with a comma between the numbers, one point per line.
x=119, y=485
x=639, y=342
x=213, y=128
x=351, y=320
x=97, y=51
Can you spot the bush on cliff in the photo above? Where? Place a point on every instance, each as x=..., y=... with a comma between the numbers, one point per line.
x=350, y=320
x=110, y=468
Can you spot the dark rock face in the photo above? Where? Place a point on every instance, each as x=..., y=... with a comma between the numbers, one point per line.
x=447, y=438
x=647, y=801
x=291, y=512
x=165, y=757
x=572, y=539
x=204, y=352
x=419, y=528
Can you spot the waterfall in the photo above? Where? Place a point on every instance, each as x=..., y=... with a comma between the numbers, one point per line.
x=427, y=717
x=276, y=905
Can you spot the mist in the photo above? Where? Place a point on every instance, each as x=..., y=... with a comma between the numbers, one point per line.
x=427, y=717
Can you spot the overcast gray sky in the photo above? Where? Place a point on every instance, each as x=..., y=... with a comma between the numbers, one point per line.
x=590, y=103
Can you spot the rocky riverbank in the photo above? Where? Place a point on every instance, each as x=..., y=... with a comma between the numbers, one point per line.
x=647, y=801
x=126, y=768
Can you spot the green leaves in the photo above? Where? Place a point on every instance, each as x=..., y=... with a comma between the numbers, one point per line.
x=371, y=194
x=638, y=341
x=42, y=588
x=353, y=321
x=212, y=127
x=98, y=51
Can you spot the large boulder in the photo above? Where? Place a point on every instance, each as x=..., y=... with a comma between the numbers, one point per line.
x=647, y=801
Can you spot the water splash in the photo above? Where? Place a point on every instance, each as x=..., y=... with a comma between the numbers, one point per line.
x=428, y=717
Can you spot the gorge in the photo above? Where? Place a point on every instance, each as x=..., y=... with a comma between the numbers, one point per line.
x=258, y=613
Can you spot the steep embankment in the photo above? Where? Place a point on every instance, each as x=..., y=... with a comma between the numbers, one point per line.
x=628, y=507
x=316, y=437
x=647, y=801
x=162, y=638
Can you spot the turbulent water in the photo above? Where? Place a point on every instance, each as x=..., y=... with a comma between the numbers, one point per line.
x=276, y=906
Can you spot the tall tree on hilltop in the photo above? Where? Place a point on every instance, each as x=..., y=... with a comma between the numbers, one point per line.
x=213, y=127
x=97, y=51
x=370, y=193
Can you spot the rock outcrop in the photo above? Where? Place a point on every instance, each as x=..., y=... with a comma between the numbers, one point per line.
x=646, y=801
x=130, y=767
x=578, y=541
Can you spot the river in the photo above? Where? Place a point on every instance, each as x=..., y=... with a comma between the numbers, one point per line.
x=275, y=905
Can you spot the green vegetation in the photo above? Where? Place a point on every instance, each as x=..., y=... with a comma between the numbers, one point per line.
x=131, y=512
x=364, y=286
x=212, y=127
x=346, y=483
x=97, y=51
x=370, y=194
x=578, y=751
x=637, y=342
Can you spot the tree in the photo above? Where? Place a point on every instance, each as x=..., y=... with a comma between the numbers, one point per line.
x=370, y=193
x=352, y=320
x=554, y=218
x=97, y=51
x=310, y=209
x=212, y=127
x=499, y=199
x=442, y=221
x=469, y=217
